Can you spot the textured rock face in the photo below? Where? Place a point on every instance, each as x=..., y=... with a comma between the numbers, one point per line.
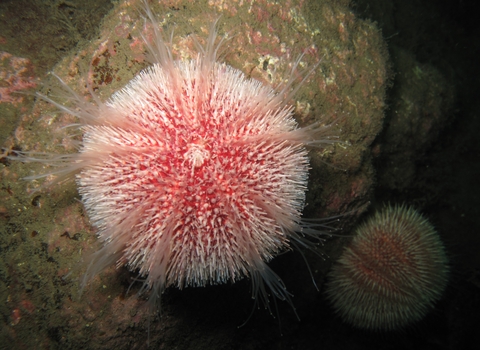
x=422, y=107
x=265, y=38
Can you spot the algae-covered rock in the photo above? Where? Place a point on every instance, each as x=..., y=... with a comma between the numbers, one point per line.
x=49, y=234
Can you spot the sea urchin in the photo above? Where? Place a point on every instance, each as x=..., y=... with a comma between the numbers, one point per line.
x=193, y=174
x=392, y=273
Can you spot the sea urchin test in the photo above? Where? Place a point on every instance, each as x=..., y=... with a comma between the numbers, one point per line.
x=193, y=174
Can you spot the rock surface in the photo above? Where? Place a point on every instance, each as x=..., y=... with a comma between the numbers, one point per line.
x=46, y=233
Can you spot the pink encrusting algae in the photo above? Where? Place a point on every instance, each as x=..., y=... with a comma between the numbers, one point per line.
x=16, y=75
x=194, y=174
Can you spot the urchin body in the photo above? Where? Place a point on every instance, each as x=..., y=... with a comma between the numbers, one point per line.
x=392, y=273
x=191, y=176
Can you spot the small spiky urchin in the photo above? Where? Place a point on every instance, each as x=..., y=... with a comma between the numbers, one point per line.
x=193, y=174
x=392, y=273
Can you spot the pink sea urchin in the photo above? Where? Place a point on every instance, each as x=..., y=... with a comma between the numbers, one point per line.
x=392, y=273
x=193, y=174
